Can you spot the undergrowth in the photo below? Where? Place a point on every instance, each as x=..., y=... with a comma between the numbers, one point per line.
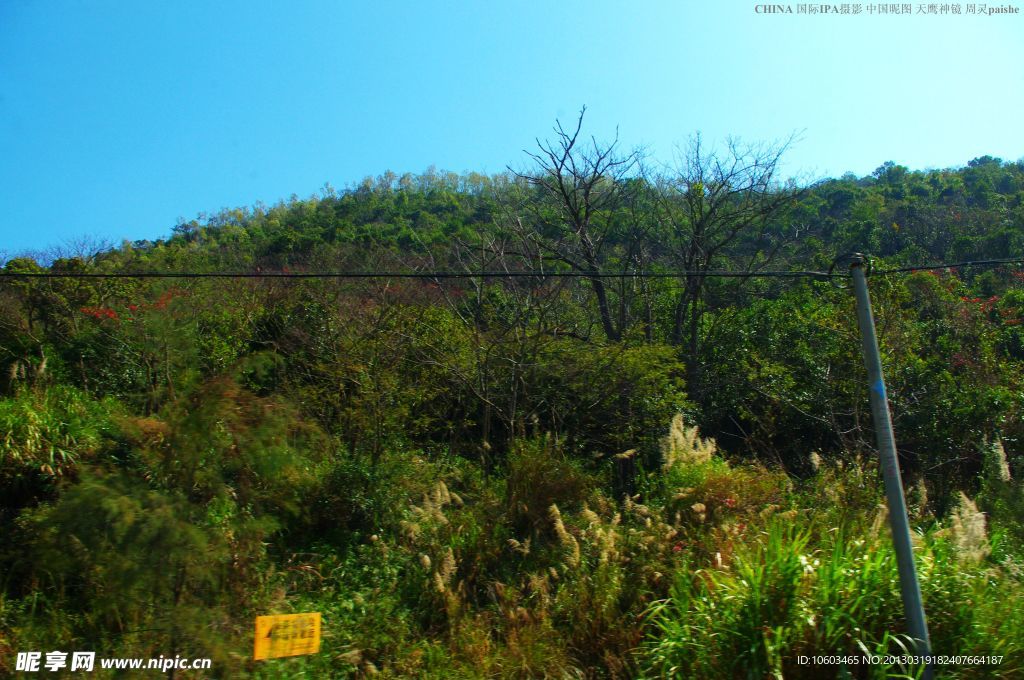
x=433, y=569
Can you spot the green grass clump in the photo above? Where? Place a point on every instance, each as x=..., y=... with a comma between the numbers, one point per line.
x=824, y=582
x=49, y=430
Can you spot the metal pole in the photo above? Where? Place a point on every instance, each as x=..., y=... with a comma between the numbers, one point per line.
x=913, y=607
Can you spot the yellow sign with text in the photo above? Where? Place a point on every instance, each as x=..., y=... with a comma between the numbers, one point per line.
x=286, y=635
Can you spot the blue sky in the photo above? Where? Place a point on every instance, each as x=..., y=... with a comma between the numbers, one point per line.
x=117, y=118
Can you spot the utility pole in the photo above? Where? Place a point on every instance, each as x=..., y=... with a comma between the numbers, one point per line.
x=913, y=606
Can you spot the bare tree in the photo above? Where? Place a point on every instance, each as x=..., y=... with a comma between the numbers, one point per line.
x=507, y=335
x=721, y=209
x=582, y=187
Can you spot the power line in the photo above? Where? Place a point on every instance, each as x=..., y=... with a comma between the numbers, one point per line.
x=952, y=265
x=415, y=275
x=713, y=273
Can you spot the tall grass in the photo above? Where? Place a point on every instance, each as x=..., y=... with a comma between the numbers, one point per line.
x=425, y=567
x=801, y=585
x=50, y=429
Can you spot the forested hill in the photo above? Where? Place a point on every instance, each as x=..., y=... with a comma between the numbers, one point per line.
x=498, y=475
x=591, y=211
x=973, y=212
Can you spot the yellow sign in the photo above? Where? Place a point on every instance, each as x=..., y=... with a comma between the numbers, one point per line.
x=287, y=635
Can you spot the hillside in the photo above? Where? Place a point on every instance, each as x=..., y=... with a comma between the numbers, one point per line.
x=567, y=448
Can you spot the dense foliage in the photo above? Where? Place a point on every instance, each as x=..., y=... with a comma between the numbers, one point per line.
x=471, y=477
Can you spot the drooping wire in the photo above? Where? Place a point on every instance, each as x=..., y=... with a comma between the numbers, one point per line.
x=832, y=273
x=413, y=275
x=951, y=265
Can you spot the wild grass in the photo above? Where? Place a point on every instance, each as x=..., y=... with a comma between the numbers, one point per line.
x=823, y=581
x=432, y=569
x=48, y=430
